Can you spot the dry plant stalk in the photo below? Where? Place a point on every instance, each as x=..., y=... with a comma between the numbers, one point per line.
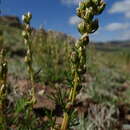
x=86, y=11
x=3, y=90
x=28, y=58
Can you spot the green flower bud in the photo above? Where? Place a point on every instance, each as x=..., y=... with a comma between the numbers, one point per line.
x=29, y=15
x=24, y=17
x=85, y=27
x=25, y=41
x=78, y=12
x=88, y=3
x=82, y=27
x=83, y=13
x=74, y=57
x=80, y=51
x=24, y=34
x=77, y=44
x=27, y=60
x=4, y=65
x=101, y=8
x=89, y=14
x=82, y=5
x=28, y=52
x=89, y=28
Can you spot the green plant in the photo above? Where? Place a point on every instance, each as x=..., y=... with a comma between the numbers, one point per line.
x=87, y=10
x=24, y=117
x=3, y=90
x=28, y=58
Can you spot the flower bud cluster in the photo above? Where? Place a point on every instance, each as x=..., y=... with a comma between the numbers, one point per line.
x=86, y=11
x=26, y=35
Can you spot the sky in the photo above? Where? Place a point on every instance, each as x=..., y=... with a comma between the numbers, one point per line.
x=60, y=15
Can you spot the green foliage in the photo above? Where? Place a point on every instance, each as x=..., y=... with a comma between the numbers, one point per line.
x=24, y=118
x=51, y=57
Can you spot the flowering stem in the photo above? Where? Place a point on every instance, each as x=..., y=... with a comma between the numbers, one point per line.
x=86, y=11
x=28, y=58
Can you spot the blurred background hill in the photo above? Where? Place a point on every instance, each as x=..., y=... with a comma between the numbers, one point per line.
x=11, y=27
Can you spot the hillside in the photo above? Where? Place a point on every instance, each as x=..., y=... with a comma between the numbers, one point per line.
x=113, y=46
x=11, y=26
